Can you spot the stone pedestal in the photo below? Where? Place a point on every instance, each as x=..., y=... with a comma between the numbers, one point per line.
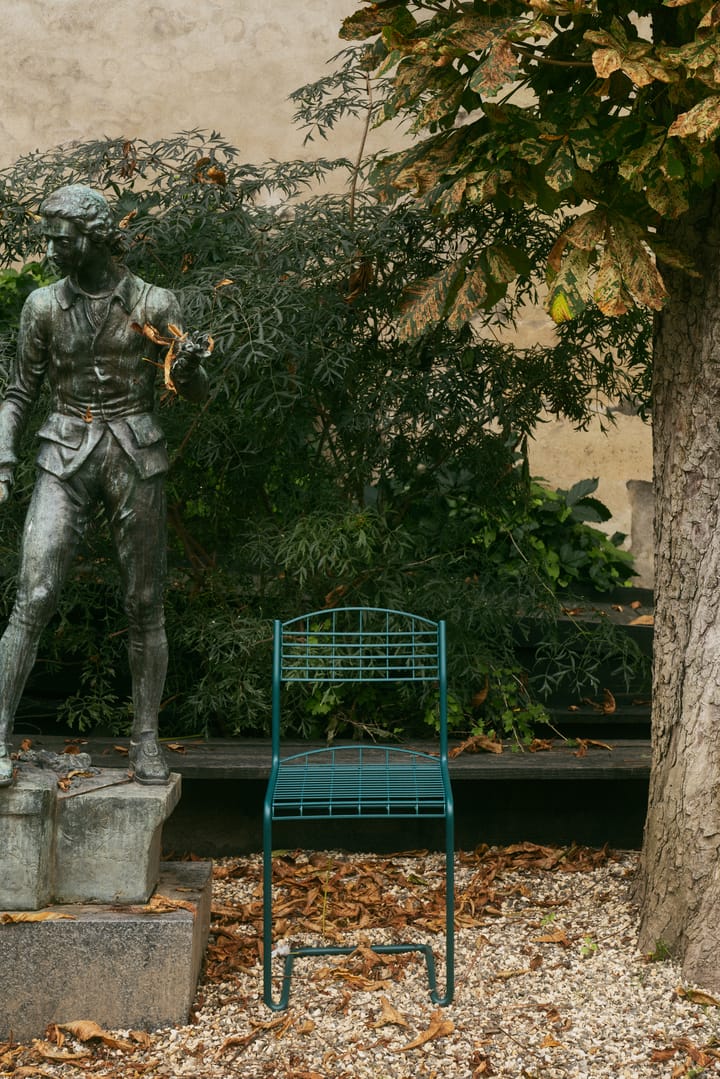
x=131, y=968
x=99, y=841
x=108, y=838
x=27, y=832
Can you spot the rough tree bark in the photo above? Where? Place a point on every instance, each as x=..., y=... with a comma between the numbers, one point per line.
x=679, y=879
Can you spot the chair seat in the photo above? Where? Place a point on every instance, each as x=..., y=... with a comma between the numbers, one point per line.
x=353, y=781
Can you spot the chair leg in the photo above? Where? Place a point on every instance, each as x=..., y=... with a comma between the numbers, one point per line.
x=281, y=1004
x=449, y=916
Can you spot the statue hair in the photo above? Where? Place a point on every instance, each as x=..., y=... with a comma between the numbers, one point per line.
x=87, y=209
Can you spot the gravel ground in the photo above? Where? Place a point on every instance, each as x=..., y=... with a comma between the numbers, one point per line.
x=549, y=980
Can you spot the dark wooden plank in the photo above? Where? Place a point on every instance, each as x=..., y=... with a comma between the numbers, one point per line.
x=225, y=759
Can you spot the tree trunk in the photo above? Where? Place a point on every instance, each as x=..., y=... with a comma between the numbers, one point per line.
x=679, y=879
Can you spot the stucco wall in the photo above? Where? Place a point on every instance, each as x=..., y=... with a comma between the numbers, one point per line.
x=134, y=68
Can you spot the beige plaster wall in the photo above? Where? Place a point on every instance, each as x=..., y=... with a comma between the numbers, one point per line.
x=136, y=68
x=74, y=69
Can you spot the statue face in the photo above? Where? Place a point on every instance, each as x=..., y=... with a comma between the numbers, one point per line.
x=67, y=247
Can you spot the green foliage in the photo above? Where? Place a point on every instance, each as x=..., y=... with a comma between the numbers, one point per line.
x=607, y=111
x=339, y=458
x=551, y=533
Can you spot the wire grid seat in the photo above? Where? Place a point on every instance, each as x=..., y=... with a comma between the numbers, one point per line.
x=358, y=644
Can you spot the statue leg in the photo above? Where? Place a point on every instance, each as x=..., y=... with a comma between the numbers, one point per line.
x=138, y=522
x=53, y=527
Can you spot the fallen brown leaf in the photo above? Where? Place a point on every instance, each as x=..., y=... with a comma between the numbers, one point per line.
x=27, y=1070
x=609, y=705
x=86, y=1030
x=477, y=743
x=162, y=904
x=53, y=1052
x=660, y=1056
x=10, y=917
x=559, y=936
x=585, y=743
x=438, y=1028
x=389, y=1016
x=697, y=996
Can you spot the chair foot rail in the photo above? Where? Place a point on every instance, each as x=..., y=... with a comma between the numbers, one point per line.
x=381, y=949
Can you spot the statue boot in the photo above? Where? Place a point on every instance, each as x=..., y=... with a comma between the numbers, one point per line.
x=148, y=666
x=147, y=760
x=18, y=648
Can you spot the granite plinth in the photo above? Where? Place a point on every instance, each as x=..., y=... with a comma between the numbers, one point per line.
x=130, y=968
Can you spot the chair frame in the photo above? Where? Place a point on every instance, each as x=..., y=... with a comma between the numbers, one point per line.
x=403, y=783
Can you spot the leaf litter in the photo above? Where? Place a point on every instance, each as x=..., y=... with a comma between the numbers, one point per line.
x=549, y=981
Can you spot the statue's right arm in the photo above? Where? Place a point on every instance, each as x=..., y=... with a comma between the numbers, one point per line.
x=25, y=381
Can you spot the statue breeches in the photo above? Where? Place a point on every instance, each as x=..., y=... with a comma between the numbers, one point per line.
x=57, y=519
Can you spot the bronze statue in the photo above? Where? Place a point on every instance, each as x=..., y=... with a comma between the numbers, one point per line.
x=100, y=444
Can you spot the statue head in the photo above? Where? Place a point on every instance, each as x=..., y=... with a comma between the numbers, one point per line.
x=79, y=229
x=85, y=208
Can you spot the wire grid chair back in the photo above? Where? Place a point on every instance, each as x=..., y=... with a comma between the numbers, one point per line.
x=359, y=644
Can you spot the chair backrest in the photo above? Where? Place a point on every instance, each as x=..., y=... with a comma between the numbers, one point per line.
x=360, y=644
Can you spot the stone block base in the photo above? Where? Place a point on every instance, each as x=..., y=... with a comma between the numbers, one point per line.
x=98, y=841
x=124, y=969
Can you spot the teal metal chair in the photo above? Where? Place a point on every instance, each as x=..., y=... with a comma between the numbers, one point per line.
x=358, y=781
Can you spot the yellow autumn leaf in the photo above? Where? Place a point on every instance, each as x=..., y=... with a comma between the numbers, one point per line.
x=9, y=917
x=560, y=308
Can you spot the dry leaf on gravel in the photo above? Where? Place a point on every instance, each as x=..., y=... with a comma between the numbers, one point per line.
x=26, y=1071
x=439, y=1027
x=86, y=1030
x=48, y=1051
x=389, y=1016
x=697, y=996
x=559, y=936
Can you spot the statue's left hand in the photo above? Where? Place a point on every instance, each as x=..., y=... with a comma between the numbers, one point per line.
x=5, y=489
